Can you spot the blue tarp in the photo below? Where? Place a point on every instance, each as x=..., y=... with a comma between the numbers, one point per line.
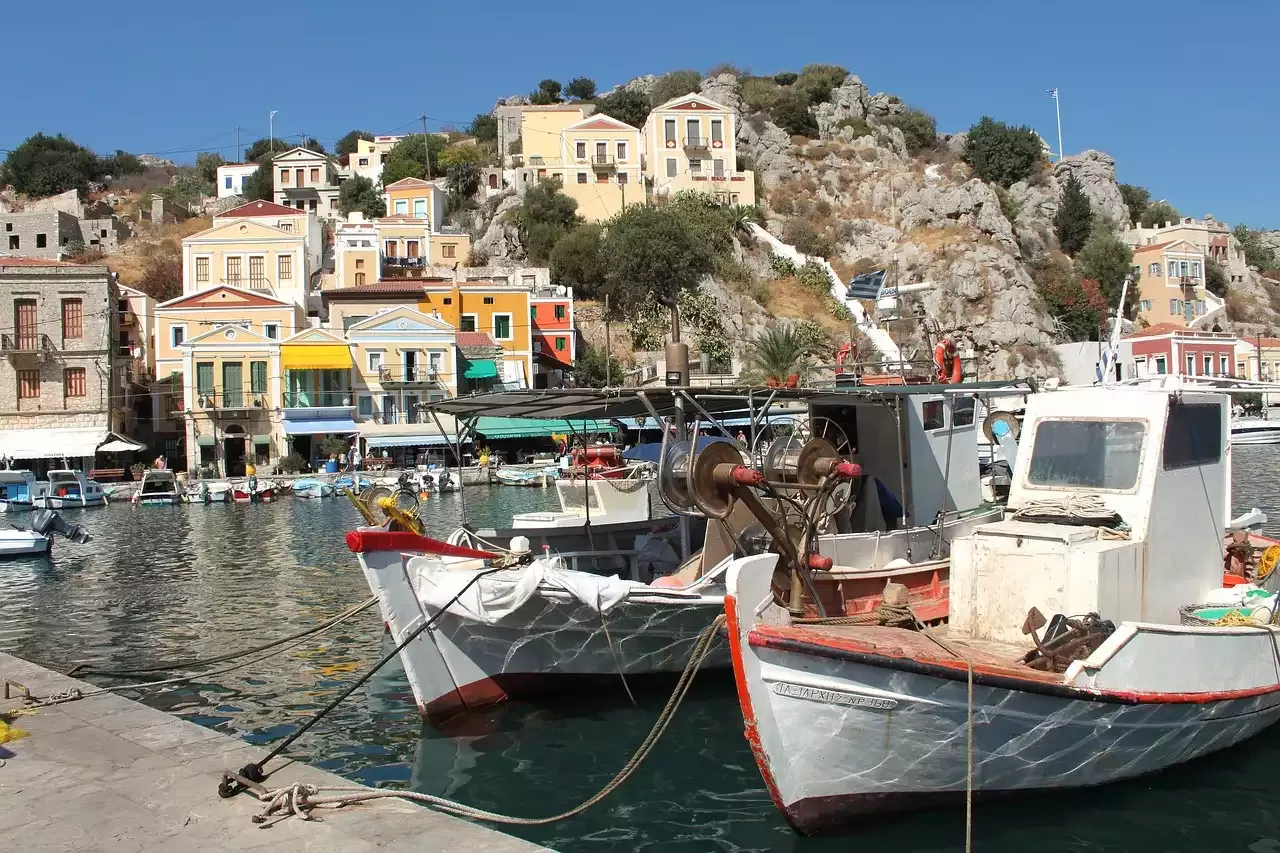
x=651, y=451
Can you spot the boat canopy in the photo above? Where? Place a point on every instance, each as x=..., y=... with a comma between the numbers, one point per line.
x=494, y=428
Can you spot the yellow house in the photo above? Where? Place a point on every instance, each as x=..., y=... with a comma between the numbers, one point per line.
x=371, y=155
x=247, y=254
x=187, y=317
x=1170, y=282
x=690, y=143
x=601, y=166
x=542, y=136
x=395, y=247
x=356, y=253
x=416, y=198
x=287, y=219
x=318, y=402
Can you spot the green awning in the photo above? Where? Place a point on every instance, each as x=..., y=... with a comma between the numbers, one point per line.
x=492, y=428
x=481, y=368
x=205, y=440
x=262, y=439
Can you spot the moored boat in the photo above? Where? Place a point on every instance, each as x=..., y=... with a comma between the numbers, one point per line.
x=66, y=489
x=308, y=487
x=208, y=492
x=159, y=487
x=251, y=490
x=38, y=539
x=529, y=477
x=1255, y=431
x=17, y=490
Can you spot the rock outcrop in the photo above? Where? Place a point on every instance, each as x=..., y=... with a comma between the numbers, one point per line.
x=1096, y=173
x=769, y=147
x=501, y=239
x=723, y=89
x=848, y=101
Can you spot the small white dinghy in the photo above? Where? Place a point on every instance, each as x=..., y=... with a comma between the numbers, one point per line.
x=23, y=542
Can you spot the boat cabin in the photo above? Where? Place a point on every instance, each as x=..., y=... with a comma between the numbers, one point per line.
x=17, y=487
x=66, y=483
x=597, y=502
x=158, y=482
x=1151, y=466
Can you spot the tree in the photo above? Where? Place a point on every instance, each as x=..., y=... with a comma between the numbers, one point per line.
x=349, y=142
x=1002, y=154
x=463, y=179
x=1256, y=253
x=581, y=88
x=786, y=78
x=673, y=84
x=261, y=186
x=359, y=193
x=1136, y=199
x=1159, y=213
x=590, y=372
x=1215, y=278
x=817, y=80
x=548, y=92
x=626, y=105
x=780, y=353
x=791, y=113
x=1107, y=261
x=1077, y=304
x=651, y=256
x=1074, y=218
x=123, y=163
x=161, y=276
x=576, y=261
x=919, y=129
x=207, y=163
x=410, y=156
x=484, y=127
x=46, y=165
x=311, y=144
x=261, y=147
x=544, y=216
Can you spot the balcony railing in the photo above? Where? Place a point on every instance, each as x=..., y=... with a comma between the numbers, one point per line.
x=394, y=418
x=26, y=343
x=696, y=143
x=603, y=161
x=418, y=375
x=312, y=400
x=245, y=283
x=394, y=261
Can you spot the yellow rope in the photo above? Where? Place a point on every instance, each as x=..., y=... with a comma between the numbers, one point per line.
x=1236, y=619
x=1267, y=562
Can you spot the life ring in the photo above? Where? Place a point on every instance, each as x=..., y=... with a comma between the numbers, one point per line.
x=947, y=360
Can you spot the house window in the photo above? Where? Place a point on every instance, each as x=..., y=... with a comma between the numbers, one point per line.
x=622, y=150
x=15, y=242
x=1200, y=308
x=204, y=378
x=502, y=327
x=717, y=168
x=312, y=204
x=1191, y=364
x=717, y=131
x=359, y=263
x=602, y=178
x=582, y=177
x=202, y=270
x=561, y=343
x=449, y=250
x=364, y=406
x=284, y=267
x=1175, y=307
x=257, y=377
x=257, y=273
x=468, y=323
x=359, y=279
x=448, y=300
x=1145, y=304
x=488, y=300
x=41, y=241
x=402, y=206
x=671, y=168
x=1154, y=269
x=375, y=361
x=177, y=334
x=284, y=176
x=561, y=312
x=315, y=176
x=1195, y=269
x=580, y=150
x=73, y=382
x=695, y=166
x=1208, y=365
x=72, y=319
x=1224, y=365
x=602, y=152
x=669, y=132
x=28, y=384
x=233, y=270
x=420, y=208
x=622, y=178
x=1162, y=366
x=533, y=313
x=411, y=248
x=227, y=182
x=271, y=330
x=390, y=249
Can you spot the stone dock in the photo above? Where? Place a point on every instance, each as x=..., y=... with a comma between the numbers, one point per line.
x=105, y=773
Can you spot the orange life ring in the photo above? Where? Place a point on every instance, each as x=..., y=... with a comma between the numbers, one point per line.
x=947, y=360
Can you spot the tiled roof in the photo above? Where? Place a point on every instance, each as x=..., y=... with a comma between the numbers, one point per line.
x=475, y=339
x=1153, y=246
x=1174, y=328
x=260, y=208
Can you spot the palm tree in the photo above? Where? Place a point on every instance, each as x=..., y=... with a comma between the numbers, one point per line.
x=780, y=355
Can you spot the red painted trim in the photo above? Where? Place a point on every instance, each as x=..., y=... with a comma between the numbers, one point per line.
x=368, y=541
x=751, y=730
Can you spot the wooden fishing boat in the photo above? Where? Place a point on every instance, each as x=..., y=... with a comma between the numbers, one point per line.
x=66, y=489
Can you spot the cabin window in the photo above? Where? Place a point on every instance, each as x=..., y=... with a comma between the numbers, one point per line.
x=932, y=414
x=1192, y=435
x=962, y=409
x=1087, y=454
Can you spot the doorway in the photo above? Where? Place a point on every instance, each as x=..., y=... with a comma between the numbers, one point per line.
x=233, y=451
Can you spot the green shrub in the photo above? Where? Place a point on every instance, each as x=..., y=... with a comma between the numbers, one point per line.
x=725, y=68
x=293, y=463
x=801, y=234
x=919, y=129
x=730, y=268
x=817, y=80
x=673, y=84
x=1008, y=206
x=759, y=94
x=1000, y=153
x=782, y=267
x=814, y=277
x=1159, y=213
x=791, y=113
x=1136, y=199
x=841, y=311
x=786, y=78
x=626, y=105
x=859, y=125
x=1073, y=221
x=1215, y=278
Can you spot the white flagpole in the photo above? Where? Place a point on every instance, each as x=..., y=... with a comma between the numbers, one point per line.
x=1113, y=346
x=1057, y=106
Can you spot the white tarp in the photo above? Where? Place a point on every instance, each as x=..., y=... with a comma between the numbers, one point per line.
x=496, y=596
x=52, y=442
x=120, y=444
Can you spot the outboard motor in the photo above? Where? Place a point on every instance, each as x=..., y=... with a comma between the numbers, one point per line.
x=46, y=521
x=204, y=491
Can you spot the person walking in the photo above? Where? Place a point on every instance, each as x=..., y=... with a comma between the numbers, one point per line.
x=355, y=456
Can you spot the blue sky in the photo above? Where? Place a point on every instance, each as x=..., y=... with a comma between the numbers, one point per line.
x=1181, y=94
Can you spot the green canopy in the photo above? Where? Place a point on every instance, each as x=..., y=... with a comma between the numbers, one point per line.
x=205, y=441
x=483, y=368
x=492, y=428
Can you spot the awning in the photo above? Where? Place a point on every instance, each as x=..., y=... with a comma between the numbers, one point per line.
x=319, y=426
x=120, y=444
x=51, y=442
x=481, y=368
x=205, y=441
x=429, y=439
x=527, y=427
x=262, y=439
x=315, y=357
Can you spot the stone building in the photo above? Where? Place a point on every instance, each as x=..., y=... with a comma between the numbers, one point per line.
x=59, y=374
x=52, y=234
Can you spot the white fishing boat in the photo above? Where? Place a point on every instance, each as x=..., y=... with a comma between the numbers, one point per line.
x=38, y=539
x=17, y=490
x=208, y=492
x=313, y=489
x=530, y=477
x=438, y=480
x=1256, y=430
x=67, y=489
x=1117, y=507
x=158, y=488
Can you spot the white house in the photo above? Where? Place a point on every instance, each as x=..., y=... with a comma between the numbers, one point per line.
x=231, y=178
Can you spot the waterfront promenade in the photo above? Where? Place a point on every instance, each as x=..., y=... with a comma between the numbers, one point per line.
x=105, y=773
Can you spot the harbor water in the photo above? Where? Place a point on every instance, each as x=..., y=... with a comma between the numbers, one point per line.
x=166, y=583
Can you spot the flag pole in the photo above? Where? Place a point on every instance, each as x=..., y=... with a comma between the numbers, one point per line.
x=1057, y=108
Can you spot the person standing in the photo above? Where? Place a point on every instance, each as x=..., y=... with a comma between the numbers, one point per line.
x=355, y=456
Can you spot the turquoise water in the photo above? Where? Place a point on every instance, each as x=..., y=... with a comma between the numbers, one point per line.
x=175, y=582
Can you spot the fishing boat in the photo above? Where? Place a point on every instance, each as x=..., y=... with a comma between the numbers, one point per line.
x=1256, y=430
x=17, y=490
x=557, y=625
x=352, y=483
x=530, y=477
x=158, y=488
x=311, y=488
x=250, y=490
x=1079, y=648
x=438, y=480
x=208, y=492
x=65, y=489
x=38, y=539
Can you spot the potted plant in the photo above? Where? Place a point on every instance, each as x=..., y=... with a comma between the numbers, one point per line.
x=138, y=469
x=334, y=448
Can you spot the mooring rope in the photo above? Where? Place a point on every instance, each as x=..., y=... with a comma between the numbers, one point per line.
x=301, y=799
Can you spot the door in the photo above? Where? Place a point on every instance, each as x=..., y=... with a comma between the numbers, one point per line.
x=389, y=409
x=298, y=173
x=410, y=366
x=411, y=415
x=24, y=322
x=233, y=455
x=232, y=385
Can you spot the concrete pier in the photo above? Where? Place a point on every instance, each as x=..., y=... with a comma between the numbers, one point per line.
x=105, y=773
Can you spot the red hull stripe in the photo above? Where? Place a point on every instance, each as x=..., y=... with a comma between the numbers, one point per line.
x=1007, y=680
x=368, y=541
x=751, y=731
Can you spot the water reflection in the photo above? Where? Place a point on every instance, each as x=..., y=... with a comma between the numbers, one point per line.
x=195, y=581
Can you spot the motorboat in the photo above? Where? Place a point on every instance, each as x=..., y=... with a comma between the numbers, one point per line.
x=438, y=480
x=66, y=489
x=1092, y=634
x=529, y=477
x=38, y=539
x=352, y=483
x=1255, y=430
x=158, y=488
x=309, y=487
x=251, y=490
x=209, y=492
x=17, y=490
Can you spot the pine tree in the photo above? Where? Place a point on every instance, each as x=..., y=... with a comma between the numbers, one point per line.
x=1074, y=218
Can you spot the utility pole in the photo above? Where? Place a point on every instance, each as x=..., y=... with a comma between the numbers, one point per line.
x=271, y=132
x=426, y=145
x=1057, y=107
x=608, y=347
x=239, y=155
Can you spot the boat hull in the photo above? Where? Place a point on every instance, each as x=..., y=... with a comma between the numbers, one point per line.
x=1262, y=435
x=69, y=502
x=243, y=497
x=15, y=506
x=15, y=544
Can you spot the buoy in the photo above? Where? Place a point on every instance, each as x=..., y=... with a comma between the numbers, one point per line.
x=947, y=360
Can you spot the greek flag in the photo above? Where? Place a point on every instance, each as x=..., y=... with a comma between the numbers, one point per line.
x=1053, y=93
x=865, y=286
x=1104, y=365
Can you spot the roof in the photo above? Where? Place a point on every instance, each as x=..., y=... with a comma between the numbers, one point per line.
x=1176, y=329
x=260, y=208
x=36, y=262
x=408, y=182
x=1138, y=250
x=475, y=339
x=385, y=287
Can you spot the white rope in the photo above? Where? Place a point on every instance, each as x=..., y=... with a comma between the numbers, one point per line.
x=1087, y=508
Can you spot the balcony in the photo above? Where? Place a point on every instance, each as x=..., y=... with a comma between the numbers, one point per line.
x=402, y=376
x=317, y=400
x=416, y=262
x=603, y=162
x=696, y=143
x=21, y=345
x=261, y=285
x=212, y=400
x=1190, y=282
